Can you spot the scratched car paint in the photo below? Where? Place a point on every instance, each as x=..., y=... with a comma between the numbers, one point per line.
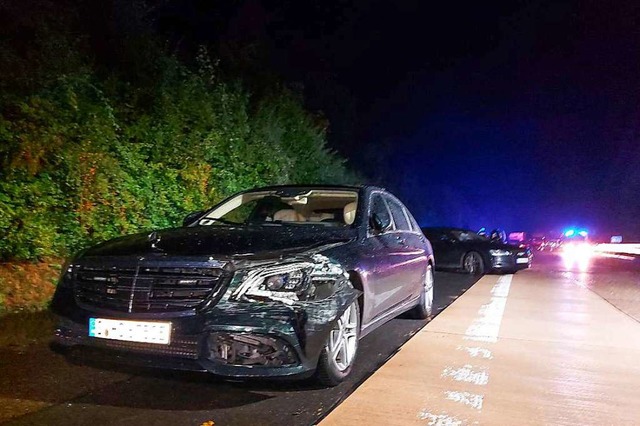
x=273, y=282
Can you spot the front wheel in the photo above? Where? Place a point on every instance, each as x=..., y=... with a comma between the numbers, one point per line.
x=339, y=353
x=473, y=263
x=424, y=308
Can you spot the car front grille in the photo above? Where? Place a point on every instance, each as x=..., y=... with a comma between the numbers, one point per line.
x=147, y=289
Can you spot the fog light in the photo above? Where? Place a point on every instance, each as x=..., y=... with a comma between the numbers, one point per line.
x=250, y=349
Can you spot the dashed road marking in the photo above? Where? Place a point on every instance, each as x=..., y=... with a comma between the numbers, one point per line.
x=484, y=328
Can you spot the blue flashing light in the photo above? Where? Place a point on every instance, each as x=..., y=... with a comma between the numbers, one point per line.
x=570, y=233
x=583, y=233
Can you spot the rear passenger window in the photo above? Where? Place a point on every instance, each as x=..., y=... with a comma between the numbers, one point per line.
x=397, y=212
x=414, y=225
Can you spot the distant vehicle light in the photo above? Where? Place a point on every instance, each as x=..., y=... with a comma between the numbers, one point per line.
x=583, y=233
x=576, y=254
x=516, y=236
x=570, y=233
x=578, y=247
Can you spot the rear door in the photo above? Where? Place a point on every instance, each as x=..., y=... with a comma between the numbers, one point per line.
x=445, y=247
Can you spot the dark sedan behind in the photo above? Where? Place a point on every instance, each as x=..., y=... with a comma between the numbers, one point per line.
x=462, y=249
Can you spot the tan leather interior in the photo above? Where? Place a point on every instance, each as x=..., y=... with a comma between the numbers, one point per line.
x=292, y=215
x=319, y=217
x=349, y=212
x=288, y=215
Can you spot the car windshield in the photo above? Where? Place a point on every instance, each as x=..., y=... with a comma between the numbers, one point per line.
x=326, y=207
x=465, y=235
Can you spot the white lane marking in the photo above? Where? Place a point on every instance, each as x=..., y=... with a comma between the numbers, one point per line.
x=467, y=374
x=486, y=326
x=476, y=352
x=619, y=248
x=439, y=419
x=467, y=398
x=618, y=256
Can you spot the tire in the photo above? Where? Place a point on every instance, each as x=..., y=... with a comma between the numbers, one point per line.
x=473, y=264
x=424, y=308
x=340, y=350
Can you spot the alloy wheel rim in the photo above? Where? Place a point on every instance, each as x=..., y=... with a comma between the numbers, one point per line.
x=343, y=339
x=428, y=287
x=471, y=263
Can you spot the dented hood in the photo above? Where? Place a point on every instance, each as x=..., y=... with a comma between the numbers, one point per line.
x=225, y=241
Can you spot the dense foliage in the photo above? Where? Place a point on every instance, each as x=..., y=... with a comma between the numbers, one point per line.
x=91, y=149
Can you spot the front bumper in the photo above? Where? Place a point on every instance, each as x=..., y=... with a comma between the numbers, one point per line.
x=300, y=331
x=510, y=263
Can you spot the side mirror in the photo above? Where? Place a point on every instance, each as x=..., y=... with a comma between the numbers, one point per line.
x=379, y=223
x=188, y=220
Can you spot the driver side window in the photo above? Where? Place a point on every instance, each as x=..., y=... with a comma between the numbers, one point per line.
x=379, y=208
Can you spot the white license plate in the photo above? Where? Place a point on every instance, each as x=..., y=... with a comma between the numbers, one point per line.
x=131, y=331
x=522, y=260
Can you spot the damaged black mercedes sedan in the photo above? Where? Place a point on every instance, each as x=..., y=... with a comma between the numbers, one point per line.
x=273, y=282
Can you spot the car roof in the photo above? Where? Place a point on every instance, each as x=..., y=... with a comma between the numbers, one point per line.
x=314, y=186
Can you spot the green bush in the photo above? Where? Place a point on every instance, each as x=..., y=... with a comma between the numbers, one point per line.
x=92, y=153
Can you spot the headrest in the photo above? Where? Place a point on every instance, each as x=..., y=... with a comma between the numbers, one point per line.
x=349, y=212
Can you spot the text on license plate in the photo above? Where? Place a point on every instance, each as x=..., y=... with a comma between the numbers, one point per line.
x=522, y=260
x=131, y=331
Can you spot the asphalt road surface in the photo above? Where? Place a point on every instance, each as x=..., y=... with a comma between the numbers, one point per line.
x=40, y=386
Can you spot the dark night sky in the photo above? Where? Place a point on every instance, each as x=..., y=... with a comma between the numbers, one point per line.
x=521, y=115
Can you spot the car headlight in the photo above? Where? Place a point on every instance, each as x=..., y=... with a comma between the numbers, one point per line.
x=499, y=252
x=292, y=281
